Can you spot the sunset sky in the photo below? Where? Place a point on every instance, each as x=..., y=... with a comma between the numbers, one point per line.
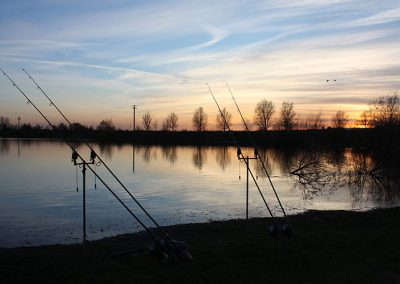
x=97, y=58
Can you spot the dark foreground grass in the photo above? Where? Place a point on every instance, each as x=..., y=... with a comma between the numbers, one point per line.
x=328, y=247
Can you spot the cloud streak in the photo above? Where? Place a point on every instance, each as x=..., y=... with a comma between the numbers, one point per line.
x=158, y=54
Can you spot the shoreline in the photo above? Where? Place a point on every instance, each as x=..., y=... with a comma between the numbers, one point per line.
x=327, y=246
x=351, y=137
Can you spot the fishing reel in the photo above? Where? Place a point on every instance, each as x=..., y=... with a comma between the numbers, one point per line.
x=276, y=230
x=256, y=154
x=93, y=156
x=75, y=157
x=166, y=248
x=239, y=153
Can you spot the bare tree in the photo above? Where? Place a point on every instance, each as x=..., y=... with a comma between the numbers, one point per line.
x=263, y=113
x=364, y=120
x=200, y=119
x=155, y=124
x=106, y=125
x=311, y=121
x=287, y=116
x=164, y=125
x=340, y=119
x=303, y=123
x=173, y=121
x=146, y=119
x=315, y=121
x=62, y=126
x=170, y=123
x=224, y=124
x=4, y=122
x=385, y=111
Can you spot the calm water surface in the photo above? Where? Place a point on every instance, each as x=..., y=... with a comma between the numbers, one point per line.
x=39, y=203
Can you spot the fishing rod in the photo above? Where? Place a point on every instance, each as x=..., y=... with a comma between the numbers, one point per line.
x=78, y=155
x=167, y=242
x=240, y=152
x=257, y=152
x=101, y=160
x=170, y=247
x=287, y=229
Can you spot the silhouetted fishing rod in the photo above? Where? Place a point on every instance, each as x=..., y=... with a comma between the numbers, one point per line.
x=240, y=150
x=168, y=245
x=288, y=229
x=257, y=151
x=80, y=157
x=101, y=160
x=166, y=235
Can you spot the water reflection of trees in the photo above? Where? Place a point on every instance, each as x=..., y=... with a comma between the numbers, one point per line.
x=337, y=158
x=105, y=150
x=311, y=173
x=222, y=157
x=199, y=157
x=4, y=146
x=147, y=154
x=366, y=177
x=370, y=178
x=169, y=153
x=268, y=156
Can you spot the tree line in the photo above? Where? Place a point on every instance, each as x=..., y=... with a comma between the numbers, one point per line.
x=381, y=112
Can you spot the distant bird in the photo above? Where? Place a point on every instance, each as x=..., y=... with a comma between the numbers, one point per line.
x=334, y=80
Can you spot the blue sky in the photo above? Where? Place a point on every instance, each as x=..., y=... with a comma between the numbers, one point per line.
x=96, y=58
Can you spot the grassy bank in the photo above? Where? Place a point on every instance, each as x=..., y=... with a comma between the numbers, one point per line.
x=328, y=247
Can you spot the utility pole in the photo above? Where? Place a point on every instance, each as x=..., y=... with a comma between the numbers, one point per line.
x=19, y=120
x=134, y=107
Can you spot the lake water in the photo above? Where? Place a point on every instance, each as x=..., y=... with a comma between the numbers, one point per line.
x=39, y=203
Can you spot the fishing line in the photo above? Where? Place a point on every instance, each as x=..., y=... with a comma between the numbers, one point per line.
x=111, y=191
x=95, y=185
x=266, y=172
x=257, y=151
x=76, y=177
x=79, y=156
x=100, y=159
x=240, y=152
x=166, y=235
x=95, y=165
x=239, y=169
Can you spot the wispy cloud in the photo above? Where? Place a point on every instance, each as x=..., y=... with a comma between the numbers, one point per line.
x=386, y=16
x=158, y=54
